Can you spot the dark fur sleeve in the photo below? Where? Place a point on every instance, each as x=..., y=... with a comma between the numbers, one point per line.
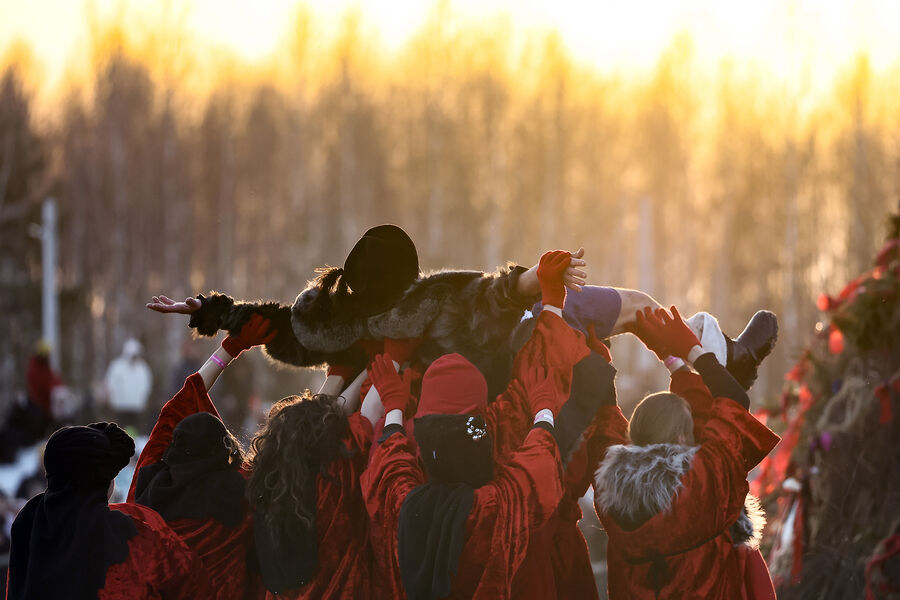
x=219, y=311
x=502, y=294
x=479, y=323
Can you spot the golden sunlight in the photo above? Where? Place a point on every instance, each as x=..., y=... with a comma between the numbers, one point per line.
x=805, y=39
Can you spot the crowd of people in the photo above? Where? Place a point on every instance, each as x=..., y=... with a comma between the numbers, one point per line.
x=462, y=416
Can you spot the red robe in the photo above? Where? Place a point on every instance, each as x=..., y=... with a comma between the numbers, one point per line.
x=344, y=569
x=692, y=535
x=558, y=563
x=523, y=494
x=553, y=345
x=159, y=564
x=223, y=550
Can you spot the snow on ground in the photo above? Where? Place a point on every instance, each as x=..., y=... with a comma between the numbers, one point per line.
x=28, y=459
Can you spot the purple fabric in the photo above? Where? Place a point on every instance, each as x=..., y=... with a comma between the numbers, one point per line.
x=595, y=305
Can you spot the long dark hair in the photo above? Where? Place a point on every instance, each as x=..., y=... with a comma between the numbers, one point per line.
x=301, y=437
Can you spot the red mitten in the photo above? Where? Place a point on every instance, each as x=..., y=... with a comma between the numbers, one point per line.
x=400, y=350
x=393, y=389
x=676, y=334
x=253, y=333
x=597, y=345
x=542, y=391
x=649, y=329
x=550, y=273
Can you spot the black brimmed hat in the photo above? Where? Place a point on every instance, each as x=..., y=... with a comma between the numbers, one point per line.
x=379, y=268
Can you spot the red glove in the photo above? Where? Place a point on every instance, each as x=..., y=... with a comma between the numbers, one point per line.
x=550, y=272
x=253, y=333
x=676, y=334
x=649, y=329
x=400, y=350
x=542, y=391
x=393, y=389
x=597, y=345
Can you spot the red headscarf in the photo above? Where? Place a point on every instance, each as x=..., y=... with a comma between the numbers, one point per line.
x=452, y=385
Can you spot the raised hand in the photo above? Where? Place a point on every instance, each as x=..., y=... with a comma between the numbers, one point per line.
x=574, y=277
x=164, y=304
x=677, y=335
x=550, y=272
x=253, y=333
x=648, y=328
x=543, y=392
x=393, y=389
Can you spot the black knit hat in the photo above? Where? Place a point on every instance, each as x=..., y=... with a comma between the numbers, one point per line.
x=197, y=436
x=455, y=449
x=87, y=456
x=379, y=268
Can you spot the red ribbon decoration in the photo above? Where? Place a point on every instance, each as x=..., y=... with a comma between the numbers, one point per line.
x=835, y=341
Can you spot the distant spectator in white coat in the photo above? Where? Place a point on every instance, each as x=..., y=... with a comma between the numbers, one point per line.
x=129, y=381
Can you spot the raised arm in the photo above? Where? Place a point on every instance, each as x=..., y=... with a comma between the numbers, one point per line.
x=254, y=332
x=394, y=469
x=527, y=487
x=193, y=396
x=529, y=284
x=218, y=311
x=552, y=345
x=348, y=399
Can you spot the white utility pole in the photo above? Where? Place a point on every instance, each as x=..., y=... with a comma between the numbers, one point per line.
x=50, y=300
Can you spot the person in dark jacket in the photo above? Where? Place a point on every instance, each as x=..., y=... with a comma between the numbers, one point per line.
x=69, y=543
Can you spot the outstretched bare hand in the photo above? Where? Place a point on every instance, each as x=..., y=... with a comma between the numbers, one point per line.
x=164, y=304
x=574, y=277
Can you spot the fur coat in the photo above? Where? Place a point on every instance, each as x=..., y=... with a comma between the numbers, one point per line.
x=679, y=518
x=468, y=312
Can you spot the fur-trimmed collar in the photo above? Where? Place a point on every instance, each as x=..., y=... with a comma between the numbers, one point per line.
x=419, y=305
x=634, y=483
x=327, y=326
x=322, y=321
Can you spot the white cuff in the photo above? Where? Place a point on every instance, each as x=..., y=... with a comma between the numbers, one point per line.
x=394, y=417
x=545, y=415
x=673, y=363
x=695, y=353
x=554, y=309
